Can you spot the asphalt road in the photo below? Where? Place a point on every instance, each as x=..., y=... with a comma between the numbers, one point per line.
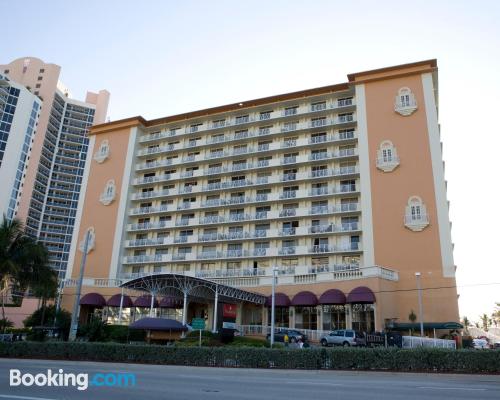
x=190, y=383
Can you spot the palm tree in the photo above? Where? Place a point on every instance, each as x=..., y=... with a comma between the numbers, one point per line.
x=485, y=322
x=466, y=323
x=23, y=262
x=496, y=315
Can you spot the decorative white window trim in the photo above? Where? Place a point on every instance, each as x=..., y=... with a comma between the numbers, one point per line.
x=103, y=153
x=91, y=243
x=416, y=218
x=405, y=103
x=387, y=156
x=109, y=193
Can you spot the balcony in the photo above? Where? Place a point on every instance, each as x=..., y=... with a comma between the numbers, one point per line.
x=149, y=210
x=289, y=194
x=416, y=222
x=387, y=164
x=149, y=195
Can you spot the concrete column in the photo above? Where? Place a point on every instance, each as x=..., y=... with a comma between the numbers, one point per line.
x=239, y=314
x=378, y=327
x=184, y=310
x=348, y=316
x=320, y=318
x=121, y=309
x=265, y=316
x=214, y=328
x=291, y=317
x=152, y=304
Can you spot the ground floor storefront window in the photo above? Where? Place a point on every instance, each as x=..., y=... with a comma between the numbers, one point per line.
x=281, y=317
x=253, y=315
x=363, y=317
x=113, y=315
x=306, y=318
x=171, y=313
x=334, y=317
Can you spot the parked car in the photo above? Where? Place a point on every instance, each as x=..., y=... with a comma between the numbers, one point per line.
x=344, y=337
x=480, y=344
x=293, y=335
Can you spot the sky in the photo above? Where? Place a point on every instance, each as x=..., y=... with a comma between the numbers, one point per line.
x=159, y=58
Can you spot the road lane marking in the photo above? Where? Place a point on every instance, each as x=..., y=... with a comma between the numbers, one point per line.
x=10, y=396
x=449, y=388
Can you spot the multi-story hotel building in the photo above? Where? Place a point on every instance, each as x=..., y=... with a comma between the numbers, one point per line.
x=52, y=182
x=340, y=189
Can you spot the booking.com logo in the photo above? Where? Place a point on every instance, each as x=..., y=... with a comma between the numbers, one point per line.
x=63, y=379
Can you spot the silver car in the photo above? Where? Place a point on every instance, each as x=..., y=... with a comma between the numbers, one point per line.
x=343, y=337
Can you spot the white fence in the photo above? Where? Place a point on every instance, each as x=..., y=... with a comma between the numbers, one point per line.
x=410, y=342
x=315, y=336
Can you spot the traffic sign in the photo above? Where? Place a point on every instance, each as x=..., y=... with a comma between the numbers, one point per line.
x=198, y=323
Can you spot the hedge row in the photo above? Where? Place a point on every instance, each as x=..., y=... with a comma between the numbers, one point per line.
x=424, y=359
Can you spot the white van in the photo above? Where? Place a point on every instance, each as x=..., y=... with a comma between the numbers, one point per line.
x=480, y=344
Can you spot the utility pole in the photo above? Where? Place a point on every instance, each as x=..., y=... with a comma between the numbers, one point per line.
x=76, y=306
x=420, y=305
x=273, y=301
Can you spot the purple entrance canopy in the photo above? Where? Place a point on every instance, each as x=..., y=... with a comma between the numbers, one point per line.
x=114, y=301
x=158, y=324
x=305, y=299
x=362, y=295
x=93, y=299
x=280, y=300
x=332, y=296
x=171, y=302
x=145, y=301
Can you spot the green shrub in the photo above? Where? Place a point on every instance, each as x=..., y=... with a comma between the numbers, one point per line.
x=394, y=359
x=196, y=334
x=250, y=342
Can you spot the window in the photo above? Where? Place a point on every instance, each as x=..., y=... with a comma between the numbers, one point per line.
x=416, y=217
x=346, y=101
x=387, y=158
x=318, y=106
x=42, y=70
x=405, y=103
x=109, y=193
x=103, y=152
x=242, y=119
x=91, y=240
x=291, y=110
x=265, y=115
x=39, y=78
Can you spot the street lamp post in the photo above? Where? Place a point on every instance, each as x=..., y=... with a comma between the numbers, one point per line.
x=76, y=305
x=273, y=293
x=420, y=306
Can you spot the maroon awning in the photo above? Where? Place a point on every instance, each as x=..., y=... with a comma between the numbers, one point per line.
x=280, y=300
x=93, y=299
x=158, y=324
x=171, y=302
x=114, y=301
x=332, y=296
x=362, y=295
x=145, y=301
x=305, y=298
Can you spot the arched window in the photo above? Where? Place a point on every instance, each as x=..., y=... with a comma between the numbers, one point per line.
x=405, y=102
x=91, y=243
x=109, y=193
x=387, y=156
x=103, y=152
x=416, y=217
